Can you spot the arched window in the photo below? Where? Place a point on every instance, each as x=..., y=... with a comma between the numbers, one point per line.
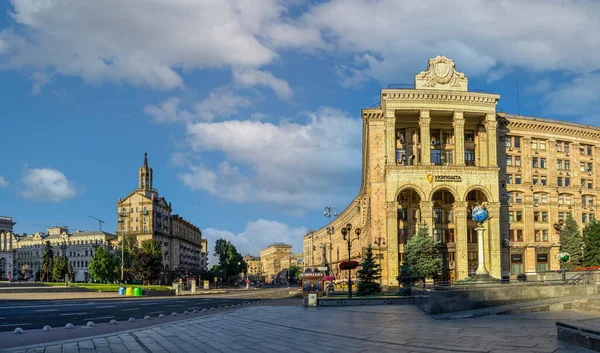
x=540, y=198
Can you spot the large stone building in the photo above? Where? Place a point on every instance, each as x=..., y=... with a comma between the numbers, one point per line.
x=255, y=270
x=6, y=246
x=433, y=151
x=146, y=215
x=79, y=247
x=275, y=258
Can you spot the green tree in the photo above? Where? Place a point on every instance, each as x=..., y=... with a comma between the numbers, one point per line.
x=147, y=261
x=103, y=267
x=571, y=242
x=47, y=262
x=60, y=269
x=369, y=273
x=592, y=244
x=127, y=248
x=422, y=258
x=229, y=258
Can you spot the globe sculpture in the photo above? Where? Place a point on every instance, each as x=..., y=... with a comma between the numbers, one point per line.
x=480, y=214
x=563, y=257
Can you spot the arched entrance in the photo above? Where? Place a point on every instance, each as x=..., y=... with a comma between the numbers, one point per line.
x=3, y=274
x=409, y=216
x=444, y=230
x=474, y=197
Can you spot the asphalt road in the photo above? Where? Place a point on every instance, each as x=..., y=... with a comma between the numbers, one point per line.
x=57, y=313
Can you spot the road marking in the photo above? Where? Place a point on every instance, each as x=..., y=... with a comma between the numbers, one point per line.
x=171, y=306
x=2, y=318
x=99, y=318
x=25, y=324
x=130, y=309
x=73, y=314
x=180, y=301
x=145, y=304
x=156, y=312
x=105, y=307
x=45, y=310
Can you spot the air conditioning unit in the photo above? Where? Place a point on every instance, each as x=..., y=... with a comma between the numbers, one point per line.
x=567, y=154
x=584, y=207
x=510, y=148
x=589, y=173
x=560, y=172
x=570, y=207
x=591, y=208
x=537, y=152
x=519, y=169
x=568, y=173
x=519, y=150
x=510, y=204
x=450, y=263
x=535, y=204
x=536, y=171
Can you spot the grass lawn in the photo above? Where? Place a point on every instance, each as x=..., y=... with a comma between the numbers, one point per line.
x=101, y=287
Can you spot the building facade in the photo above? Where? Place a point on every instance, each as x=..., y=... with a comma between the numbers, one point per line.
x=79, y=247
x=255, y=270
x=204, y=254
x=145, y=215
x=6, y=247
x=433, y=151
x=274, y=258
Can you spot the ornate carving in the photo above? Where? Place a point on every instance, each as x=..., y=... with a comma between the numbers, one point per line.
x=441, y=72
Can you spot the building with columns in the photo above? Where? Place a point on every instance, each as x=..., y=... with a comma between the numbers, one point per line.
x=6, y=246
x=145, y=215
x=433, y=151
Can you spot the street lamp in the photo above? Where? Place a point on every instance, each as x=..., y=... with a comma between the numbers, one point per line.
x=347, y=233
x=330, y=230
x=379, y=241
x=122, y=217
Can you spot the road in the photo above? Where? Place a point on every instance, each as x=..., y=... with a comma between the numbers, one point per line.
x=57, y=313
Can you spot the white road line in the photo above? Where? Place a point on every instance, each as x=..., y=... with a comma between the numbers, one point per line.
x=73, y=314
x=25, y=324
x=2, y=318
x=146, y=304
x=130, y=309
x=156, y=312
x=38, y=306
x=105, y=307
x=180, y=301
x=45, y=310
x=99, y=318
x=171, y=306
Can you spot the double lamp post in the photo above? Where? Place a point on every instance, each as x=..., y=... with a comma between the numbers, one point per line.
x=347, y=234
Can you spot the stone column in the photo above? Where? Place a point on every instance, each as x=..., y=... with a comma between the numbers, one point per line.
x=424, y=124
x=494, y=246
x=481, y=148
x=426, y=210
x=391, y=262
x=11, y=241
x=2, y=241
x=491, y=127
x=390, y=136
x=481, y=270
x=462, y=253
x=459, y=138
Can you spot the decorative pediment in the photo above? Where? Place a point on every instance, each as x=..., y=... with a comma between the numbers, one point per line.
x=441, y=75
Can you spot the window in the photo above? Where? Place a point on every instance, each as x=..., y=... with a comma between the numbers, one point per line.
x=519, y=216
x=516, y=264
x=581, y=150
x=470, y=157
x=517, y=142
x=582, y=183
x=507, y=142
x=403, y=215
x=538, y=235
x=589, y=168
x=543, y=180
x=469, y=136
x=509, y=179
x=535, y=180
x=542, y=262
x=534, y=162
x=567, y=181
x=511, y=217
x=542, y=144
x=559, y=164
x=542, y=162
x=544, y=198
x=534, y=144
x=561, y=216
x=518, y=197
x=566, y=147
x=544, y=216
x=472, y=236
x=536, y=216
x=582, y=166
x=437, y=215
x=583, y=217
x=590, y=184
x=436, y=157
x=508, y=160
x=517, y=161
x=559, y=181
x=567, y=164
x=518, y=179
x=516, y=234
x=558, y=146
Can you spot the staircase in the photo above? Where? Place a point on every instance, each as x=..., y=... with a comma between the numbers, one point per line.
x=577, y=279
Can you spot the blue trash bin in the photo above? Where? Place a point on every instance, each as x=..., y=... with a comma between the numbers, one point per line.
x=122, y=291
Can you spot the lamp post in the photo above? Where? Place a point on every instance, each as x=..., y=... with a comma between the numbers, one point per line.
x=122, y=216
x=347, y=233
x=330, y=230
x=379, y=241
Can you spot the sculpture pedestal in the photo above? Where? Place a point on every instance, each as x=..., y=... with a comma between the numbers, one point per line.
x=482, y=274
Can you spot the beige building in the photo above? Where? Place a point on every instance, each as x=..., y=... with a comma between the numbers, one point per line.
x=204, y=254
x=146, y=215
x=433, y=151
x=79, y=247
x=254, y=263
x=6, y=247
x=274, y=258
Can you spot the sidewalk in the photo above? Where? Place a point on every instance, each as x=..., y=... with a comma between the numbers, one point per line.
x=284, y=326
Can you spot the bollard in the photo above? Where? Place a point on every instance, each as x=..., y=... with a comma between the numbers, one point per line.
x=47, y=328
x=173, y=314
x=69, y=326
x=161, y=316
x=147, y=317
x=18, y=331
x=131, y=319
x=90, y=324
x=113, y=322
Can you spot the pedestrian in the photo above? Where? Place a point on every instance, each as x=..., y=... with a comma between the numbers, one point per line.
x=9, y=278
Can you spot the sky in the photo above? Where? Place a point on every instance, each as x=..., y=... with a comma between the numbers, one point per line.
x=250, y=110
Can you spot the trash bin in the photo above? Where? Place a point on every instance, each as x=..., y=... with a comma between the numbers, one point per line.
x=122, y=291
x=137, y=292
x=129, y=291
x=312, y=299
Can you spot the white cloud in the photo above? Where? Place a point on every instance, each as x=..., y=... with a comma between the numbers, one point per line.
x=148, y=42
x=221, y=102
x=522, y=34
x=3, y=182
x=253, y=77
x=40, y=79
x=256, y=236
x=258, y=116
x=291, y=165
x=580, y=97
x=47, y=184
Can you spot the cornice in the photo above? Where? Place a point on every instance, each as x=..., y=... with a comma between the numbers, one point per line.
x=552, y=126
x=450, y=96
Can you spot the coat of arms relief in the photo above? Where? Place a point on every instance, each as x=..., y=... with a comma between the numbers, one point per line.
x=441, y=75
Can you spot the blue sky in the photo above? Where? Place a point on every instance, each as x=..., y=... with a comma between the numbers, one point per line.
x=250, y=114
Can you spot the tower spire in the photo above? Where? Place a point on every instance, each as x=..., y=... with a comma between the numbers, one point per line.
x=146, y=159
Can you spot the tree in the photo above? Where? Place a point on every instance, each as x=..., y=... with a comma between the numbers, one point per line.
x=228, y=259
x=592, y=244
x=571, y=242
x=368, y=275
x=127, y=247
x=104, y=266
x=422, y=258
x=60, y=268
x=147, y=261
x=47, y=262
